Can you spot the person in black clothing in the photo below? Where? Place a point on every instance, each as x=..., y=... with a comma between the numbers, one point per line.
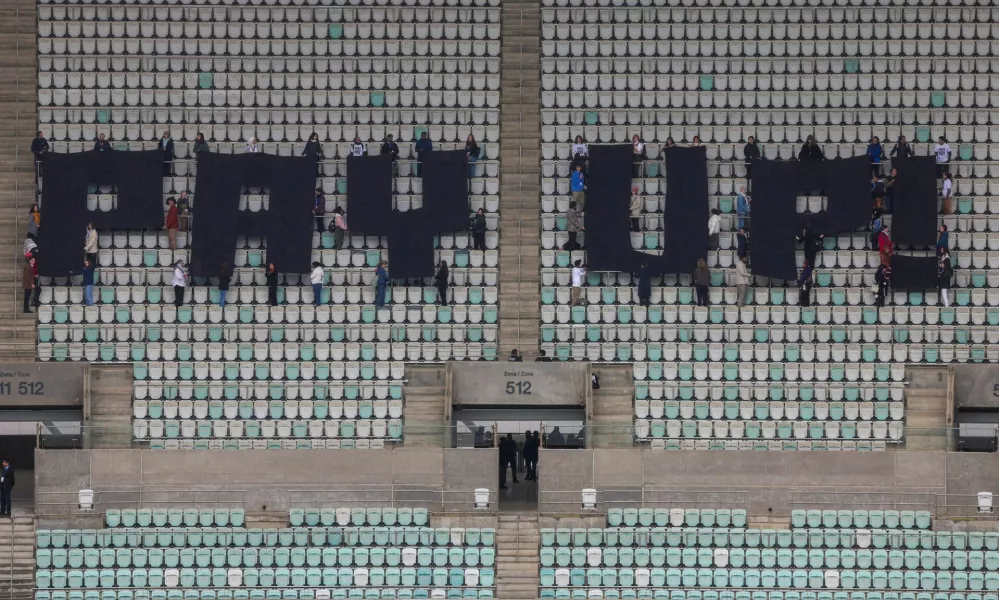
x=166, y=145
x=319, y=211
x=272, y=285
x=440, y=282
x=812, y=243
x=423, y=146
x=805, y=283
x=508, y=458
x=515, y=356
x=478, y=227
x=313, y=147
x=902, y=149
x=531, y=445
x=39, y=147
x=6, y=485
x=890, y=190
x=742, y=243
x=644, y=284
x=200, y=145
x=225, y=275
x=751, y=152
x=102, y=145
x=810, y=150
x=883, y=279
x=543, y=357
x=390, y=148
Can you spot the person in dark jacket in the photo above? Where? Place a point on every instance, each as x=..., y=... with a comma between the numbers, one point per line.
x=702, y=279
x=423, y=146
x=752, y=152
x=184, y=210
x=102, y=145
x=29, y=282
x=943, y=239
x=645, y=284
x=6, y=485
x=39, y=147
x=88, y=282
x=810, y=150
x=313, y=147
x=574, y=224
x=319, y=211
x=890, y=190
x=876, y=153
x=902, y=149
x=478, y=227
x=531, y=445
x=441, y=282
x=225, y=276
x=472, y=154
x=508, y=458
x=200, y=145
x=381, y=283
x=742, y=243
x=945, y=274
x=390, y=148
x=883, y=280
x=812, y=243
x=338, y=226
x=166, y=145
x=805, y=282
x=272, y=285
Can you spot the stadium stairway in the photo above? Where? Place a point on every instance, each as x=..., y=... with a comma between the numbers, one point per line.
x=520, y=177
x=18, y=115
x=613, y=407
x=110, y=414
x=517, y=541
x=926, y=407
x=424, y=391
x=17, y=556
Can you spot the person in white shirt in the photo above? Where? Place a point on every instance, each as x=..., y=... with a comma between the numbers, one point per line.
x=947, y=194
x=579, y=154
x=638, y=155
x=714, y=228
x=317, y=278
x=357, y=148
x=578, y=273
x=179, y=283
x=252, y=147
x=942, y=152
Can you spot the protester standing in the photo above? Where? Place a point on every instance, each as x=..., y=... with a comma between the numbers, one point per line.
x=635, y=210
x=578, y=274
x=574, y=224
x=90, y=243
x=171, y=222
x=638, y=155
x=319, y=210
x=945, y=273
x=423, y=147
x=200, y=145
x=947, y=194
x=34, y=222
x=876, y=153
x=741, y=281
x=742, y=243
x=742, y=207
x=6, y=485
x=441, y=283
x=580, y=153
x=805, y=282
x=943, y=239
x=478, y=227
x=714, y=229
x=356, y=147
x=471, y=154
x=381, y=283
x=29, y=281
x=272, y=285
x=577, y=185
x=166, y=145
x=339, y=227
x=942, y=153
x=179, y=283
x=882, y=279
x=810, y=150
x=40, y=148
x=902, y=149
x=751, y=151
x=702, y=279
x=88, y=282
x=645, y=284
x=317, y=278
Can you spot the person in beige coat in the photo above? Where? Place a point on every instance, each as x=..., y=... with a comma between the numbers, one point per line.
x=635, y=210
x=90, y=244
x=741, y=281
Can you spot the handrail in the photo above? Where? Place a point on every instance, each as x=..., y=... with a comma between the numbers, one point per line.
x=289, y=7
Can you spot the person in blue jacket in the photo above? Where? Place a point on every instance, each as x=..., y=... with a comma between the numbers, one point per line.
x=877, y=154
x=381, y=282
x=742, y=207
x=943, y=240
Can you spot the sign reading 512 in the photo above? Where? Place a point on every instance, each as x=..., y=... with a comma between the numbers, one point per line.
x=41, y=384
x=23, y=388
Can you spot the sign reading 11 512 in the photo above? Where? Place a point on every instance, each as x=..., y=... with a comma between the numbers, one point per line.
x=24, y=388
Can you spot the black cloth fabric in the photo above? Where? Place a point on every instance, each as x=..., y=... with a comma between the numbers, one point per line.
x=914, y=215
x=913, y=272
x=775, y=222
x=287, y=225
x=138, y=177
x=607, y=222
x=411, y=233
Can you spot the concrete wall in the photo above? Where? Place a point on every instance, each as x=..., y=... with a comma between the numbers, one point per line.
x=768, y=481
x=264, y=479
x=975, y=386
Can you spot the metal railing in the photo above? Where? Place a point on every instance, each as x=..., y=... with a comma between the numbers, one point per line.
x=94, y=436
x=388, y=495
x=946, y=506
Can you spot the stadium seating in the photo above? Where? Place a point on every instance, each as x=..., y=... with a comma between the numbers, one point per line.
x=771, y=374
x=680, y=553
x=327, y=553
x=292, y=375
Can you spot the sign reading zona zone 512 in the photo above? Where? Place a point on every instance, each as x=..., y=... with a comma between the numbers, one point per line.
x=41, y=384
x=534, y=383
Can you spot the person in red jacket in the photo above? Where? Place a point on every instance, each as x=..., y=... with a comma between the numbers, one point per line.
x=885, y=247
x=172, y=222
